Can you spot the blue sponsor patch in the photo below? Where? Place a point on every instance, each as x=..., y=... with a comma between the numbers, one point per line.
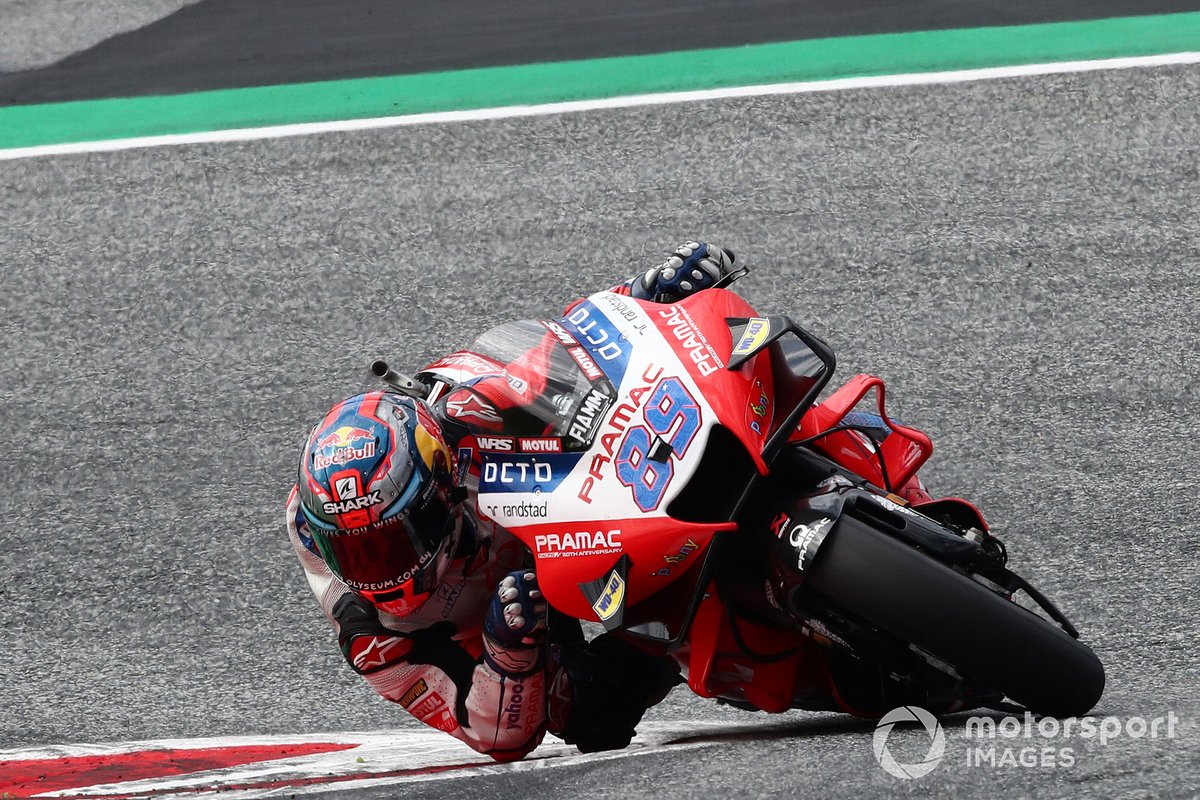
x=504, y=472
x=592, y=329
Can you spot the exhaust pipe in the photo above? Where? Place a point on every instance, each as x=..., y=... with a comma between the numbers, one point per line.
x=397, y=380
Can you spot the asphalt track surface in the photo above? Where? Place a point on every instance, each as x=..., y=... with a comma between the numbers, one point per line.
x=1017, y=258
x=221, y=44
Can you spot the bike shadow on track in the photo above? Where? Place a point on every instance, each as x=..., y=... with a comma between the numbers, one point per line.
x=809, y=728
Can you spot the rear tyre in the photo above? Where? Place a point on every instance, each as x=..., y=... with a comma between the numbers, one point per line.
x=878, y=580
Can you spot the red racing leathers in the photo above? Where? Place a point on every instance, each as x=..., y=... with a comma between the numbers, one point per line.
x=430, y=661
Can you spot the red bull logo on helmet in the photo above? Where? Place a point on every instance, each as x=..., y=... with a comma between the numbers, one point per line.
x=344, y=445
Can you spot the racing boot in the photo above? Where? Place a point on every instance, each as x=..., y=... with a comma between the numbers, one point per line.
x=599, y=691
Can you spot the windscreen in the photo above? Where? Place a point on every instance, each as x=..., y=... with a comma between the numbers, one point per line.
x=555, y=385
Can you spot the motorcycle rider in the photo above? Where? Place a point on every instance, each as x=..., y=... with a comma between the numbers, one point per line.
x=435, y=606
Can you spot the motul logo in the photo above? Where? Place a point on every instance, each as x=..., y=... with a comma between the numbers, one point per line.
x=541, y=445
x=586, y=364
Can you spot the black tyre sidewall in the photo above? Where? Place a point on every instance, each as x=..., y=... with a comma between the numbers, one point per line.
x=985, y=637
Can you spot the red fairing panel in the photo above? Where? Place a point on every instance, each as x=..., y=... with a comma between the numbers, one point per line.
x=904, y=450
x=695, y=328
x=568, y=555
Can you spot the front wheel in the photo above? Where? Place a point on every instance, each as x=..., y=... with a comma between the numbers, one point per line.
x=891, y=586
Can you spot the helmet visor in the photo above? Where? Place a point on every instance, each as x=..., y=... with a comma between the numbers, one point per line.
x=395, y=557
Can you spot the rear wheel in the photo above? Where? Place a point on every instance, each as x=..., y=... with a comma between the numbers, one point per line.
x=891, y=586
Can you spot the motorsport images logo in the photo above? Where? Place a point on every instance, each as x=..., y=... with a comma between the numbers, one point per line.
x=937, y=742
x=1031, y=742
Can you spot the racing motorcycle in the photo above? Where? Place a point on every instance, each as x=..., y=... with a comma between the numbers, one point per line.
x=676, y=480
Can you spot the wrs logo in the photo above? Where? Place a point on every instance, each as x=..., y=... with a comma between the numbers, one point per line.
x=937, y=742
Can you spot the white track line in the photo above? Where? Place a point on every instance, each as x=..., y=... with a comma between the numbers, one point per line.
x=380, y=758
x=629, y=101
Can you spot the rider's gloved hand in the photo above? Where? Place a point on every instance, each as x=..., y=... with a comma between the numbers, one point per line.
x=692, y=267
x=515, y=625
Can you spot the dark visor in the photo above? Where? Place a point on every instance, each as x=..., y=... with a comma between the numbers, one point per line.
x=379, y=558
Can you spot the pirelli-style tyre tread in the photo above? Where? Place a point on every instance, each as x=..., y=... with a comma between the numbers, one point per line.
x=884, y=582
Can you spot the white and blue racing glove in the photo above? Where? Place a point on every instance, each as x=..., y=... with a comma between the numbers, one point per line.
x=515, y=626
x=692, y=267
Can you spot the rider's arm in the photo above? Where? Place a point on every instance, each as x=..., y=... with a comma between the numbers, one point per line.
x=441, y=680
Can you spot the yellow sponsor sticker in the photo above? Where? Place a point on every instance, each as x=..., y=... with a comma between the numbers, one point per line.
x=416, y=690
x=609, y=601
x=757, y=331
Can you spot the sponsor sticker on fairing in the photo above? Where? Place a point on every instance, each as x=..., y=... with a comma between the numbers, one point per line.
x=526, y=474
x=540, y=444
x=586, y=363
x=559, y=332
x=578, y=543
x=503, y=444
x=516, y=473
x=621, y=419
x=677, y=558
x=757, y=407
x=687, y=333
x=757, y=331
x=622, y=307
x=604, y=342
x=467, y=362
x=518, y=511
x=590, y=413
x=609, y=602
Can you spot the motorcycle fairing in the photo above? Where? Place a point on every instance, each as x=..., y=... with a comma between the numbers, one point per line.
x=644, y=450
x=667, y=367
x=902, y=451
x=794, y=675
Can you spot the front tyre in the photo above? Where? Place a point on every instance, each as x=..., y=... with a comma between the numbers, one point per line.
x=878, y=580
